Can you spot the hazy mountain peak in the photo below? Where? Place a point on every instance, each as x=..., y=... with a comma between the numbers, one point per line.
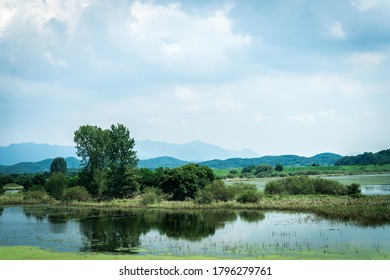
x=192, y=151
x=146, y=149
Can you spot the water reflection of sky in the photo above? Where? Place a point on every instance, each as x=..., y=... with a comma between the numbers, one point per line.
x=375, y=189
x=17, y=229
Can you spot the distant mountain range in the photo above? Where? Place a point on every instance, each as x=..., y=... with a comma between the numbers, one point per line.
x=146, y=149
x=32, y=158
x=287, y=160
x=194, y=151
x=35, y=167
x=32, y=152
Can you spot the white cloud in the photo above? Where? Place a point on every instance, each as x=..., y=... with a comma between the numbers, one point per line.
x=258, y=117
x=336, y=30
x=304, y=118
x=327, y=113
x=365, y=59
x=368, y=5
x=129, y=36
x=229, y=104
x=168, y=34
x=185, y=93
x=54, y=61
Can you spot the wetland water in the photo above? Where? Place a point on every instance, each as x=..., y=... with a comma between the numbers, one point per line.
x=185, y=233
x=370, y=184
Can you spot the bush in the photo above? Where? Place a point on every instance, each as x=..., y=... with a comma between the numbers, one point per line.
x=305, y=185
x=245, y=193
x=299, y=185
x=323, y=186
x=216, y=191
x=279, y=167
x=354, y=189
x=151, y=196
x=37, y=196
x=205, y=196
x=56, y=184
x=76, y=194
x=249, y=196
x=37, y=188
x=221, y=191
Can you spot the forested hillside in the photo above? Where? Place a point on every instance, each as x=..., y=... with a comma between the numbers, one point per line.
x=381, y=157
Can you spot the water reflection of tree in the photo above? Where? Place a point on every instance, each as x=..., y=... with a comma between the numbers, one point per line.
x=39, y=213
x=123, y=231
x=252, y=216
x=1, y=210
x=113, y=233
x=195, y=225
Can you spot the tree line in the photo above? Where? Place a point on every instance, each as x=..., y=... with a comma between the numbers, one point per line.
x=381, y=157
x=109, y=170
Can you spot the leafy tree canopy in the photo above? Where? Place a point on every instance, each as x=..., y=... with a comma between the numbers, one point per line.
x=58, y=165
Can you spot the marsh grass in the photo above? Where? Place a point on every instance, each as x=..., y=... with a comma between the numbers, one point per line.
x=366, y=210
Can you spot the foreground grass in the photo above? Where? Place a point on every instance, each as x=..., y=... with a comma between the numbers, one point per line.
x=35, y=253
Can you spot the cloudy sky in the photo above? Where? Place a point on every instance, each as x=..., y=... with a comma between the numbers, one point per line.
x=279, y=77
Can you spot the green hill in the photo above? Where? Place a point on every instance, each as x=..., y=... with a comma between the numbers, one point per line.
x=381, y=157
x=171, y=162
x=153, y=163
x=286, y=160
x=35, y=167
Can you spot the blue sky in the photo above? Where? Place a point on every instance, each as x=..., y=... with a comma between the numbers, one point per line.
x=279, y=77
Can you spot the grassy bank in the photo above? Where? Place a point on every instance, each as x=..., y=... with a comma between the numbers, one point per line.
x=365, y=210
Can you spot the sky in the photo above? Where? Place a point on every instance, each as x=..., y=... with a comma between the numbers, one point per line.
x=279, y=77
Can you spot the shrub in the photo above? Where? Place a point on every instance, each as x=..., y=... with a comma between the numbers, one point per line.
x=305, y=185
x=354, y=189
x=151, y=196
x=216, y=191
x=245, y=193
x=76, y=194
x=37, y=196
x=299, y=185
x=233, y=173
x=275, y=187
x=323, y=186
x=279, y=167
x=249, y=196
x=56, y=184
x=205, y=196
x=37, y=188
x=221, y=191
x=263, y=170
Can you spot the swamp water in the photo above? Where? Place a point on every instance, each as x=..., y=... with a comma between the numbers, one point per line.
x=233, y=234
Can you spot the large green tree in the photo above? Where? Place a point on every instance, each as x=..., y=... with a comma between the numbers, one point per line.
x=108, y=160
x=91, y=145
x=185, y=181
x=122, y=162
